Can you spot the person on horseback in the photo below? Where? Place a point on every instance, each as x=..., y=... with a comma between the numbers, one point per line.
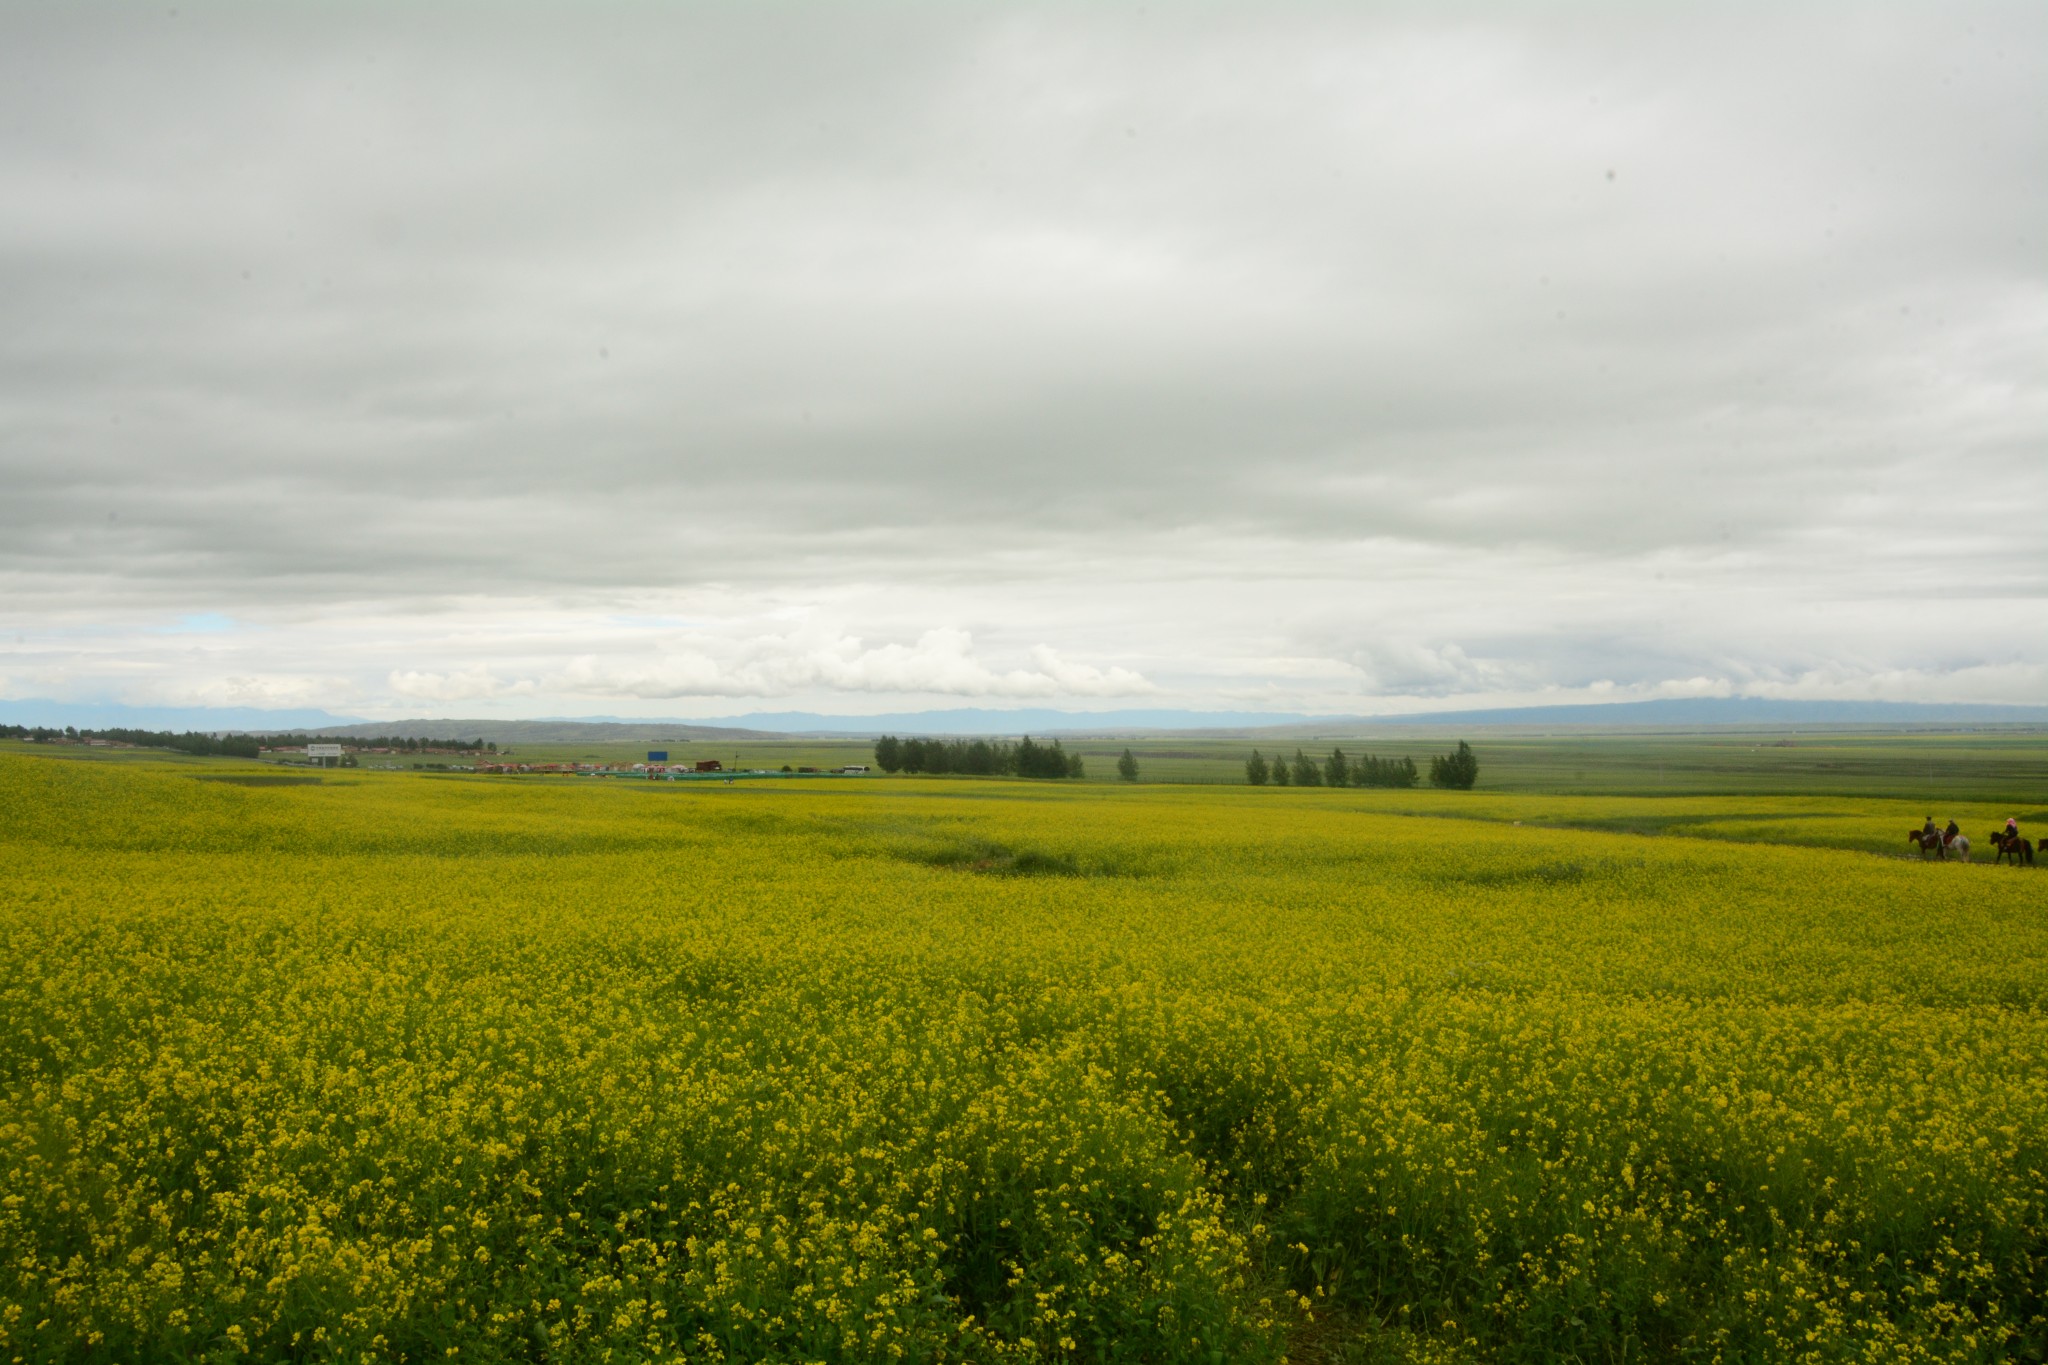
x=2011, y=844
x=1948, y=836
x=1929, y=835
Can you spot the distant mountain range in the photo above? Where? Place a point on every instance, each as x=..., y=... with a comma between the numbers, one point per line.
x=981, y=721
x=1736, y=711
x=1675, y=711
x=1684, y=712
x=768, y=725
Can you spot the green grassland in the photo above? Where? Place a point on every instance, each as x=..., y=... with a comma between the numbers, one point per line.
x=2004, y=765
x=395, y=1066
x=1999, y=765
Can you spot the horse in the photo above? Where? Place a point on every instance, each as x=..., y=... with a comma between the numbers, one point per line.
x=1960, y=845
x=2013, y=846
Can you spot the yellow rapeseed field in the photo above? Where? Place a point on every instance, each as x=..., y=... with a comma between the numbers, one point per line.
x=410, y=1068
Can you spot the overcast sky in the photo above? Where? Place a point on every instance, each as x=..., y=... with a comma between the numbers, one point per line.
x=646, y=360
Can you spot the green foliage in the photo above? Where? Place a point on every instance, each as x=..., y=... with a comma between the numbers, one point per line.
x=1370, y=771
x=1457, y=770
x=1338, y=770
x=1127, y=766
x=977, y=757
x=191, y=742
x=411, y=744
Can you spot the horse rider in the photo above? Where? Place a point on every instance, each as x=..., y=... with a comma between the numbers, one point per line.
x=1929, y=835
x=1948, y=836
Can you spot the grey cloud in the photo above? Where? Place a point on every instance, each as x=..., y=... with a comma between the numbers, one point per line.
x=1469, y=353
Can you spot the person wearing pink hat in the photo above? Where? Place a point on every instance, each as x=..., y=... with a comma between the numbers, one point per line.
x=2011, y=844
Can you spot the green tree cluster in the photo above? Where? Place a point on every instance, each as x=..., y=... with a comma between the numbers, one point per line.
x=409, y=744
x=191, y=742
x=1371, y=771
x=1458, y=769
x=35, y=734
x=1338, y=770
x=977, y=757
x=1127, y=766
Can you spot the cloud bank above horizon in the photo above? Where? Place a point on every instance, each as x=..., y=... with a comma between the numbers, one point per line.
x=550, y=361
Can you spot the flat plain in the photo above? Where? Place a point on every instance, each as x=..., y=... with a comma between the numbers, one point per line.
x=410, y=1066
x=2007, y=764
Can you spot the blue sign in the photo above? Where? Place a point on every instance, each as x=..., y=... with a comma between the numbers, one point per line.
x=657, y=755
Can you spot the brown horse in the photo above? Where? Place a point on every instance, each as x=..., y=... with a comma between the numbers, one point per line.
x=2013, y=846
x=1940, y=848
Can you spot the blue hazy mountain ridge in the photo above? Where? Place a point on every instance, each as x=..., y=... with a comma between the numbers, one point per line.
x=982, y=721
x=1685, y=712
x=1736, y=711
x=1664, y=711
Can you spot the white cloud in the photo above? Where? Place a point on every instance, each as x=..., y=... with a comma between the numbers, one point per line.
x=258, y=690
x=1406, y=667
x=1086, y=680
x=1992, y=683
x=467, y=685
x=1693, y=687
x=941, y=663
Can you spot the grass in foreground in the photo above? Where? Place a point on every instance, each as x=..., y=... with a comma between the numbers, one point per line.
x=400, y=1067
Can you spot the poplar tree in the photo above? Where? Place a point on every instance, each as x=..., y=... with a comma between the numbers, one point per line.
x=1457, y=770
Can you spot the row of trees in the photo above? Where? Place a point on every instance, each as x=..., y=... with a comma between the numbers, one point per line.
x=976, y=757
x=1337, y=770
x=233, y=746
x=1458, y=769
x=191, y=742
x=410, y=744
